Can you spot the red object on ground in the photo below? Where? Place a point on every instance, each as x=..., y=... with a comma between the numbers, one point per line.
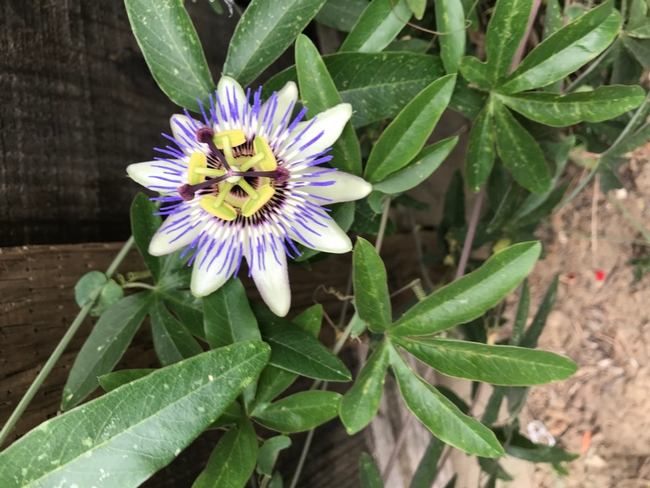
x=600, y=275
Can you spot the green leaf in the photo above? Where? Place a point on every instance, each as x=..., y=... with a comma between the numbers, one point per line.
x=109, y=441
x=89, y=284
x=476, y=73
x=544, y=207
x=419, y=169
x=341, y=14
x=491, y=412
x=299, y=412
x=440, y=415
x=470, y=296
x=360, y=404
x=310, y=319
x=523, y=307
x=520, y=152
x=494, y=469
x=263, y=33
x=371, y=295
x=640, y=49
x=497, y=365
x=504, y=34
x=553, y=22
x=172, y=341
x=450, y=22
x=216, y=6
x=318, y=93
x=172, y=50
x=565, y=51
x=417, y=7
x=231, y=415
x=480, y=150
x=378, y=25
x=370, y=477
x=111, y=294
x=428, y=466
x=228, y=316
x=539, y=321
x=466, y=100
x=269, y=453
x=412, y=45
x=297, y=351
x=188, y=309
x=144, y=225
x=522, y=448
x=114, y=380
x=642, y=32
x=276, y=481
x=377, y=85
x=407, y=134
x=604, y=103
x=233, y=460
x=105, y=346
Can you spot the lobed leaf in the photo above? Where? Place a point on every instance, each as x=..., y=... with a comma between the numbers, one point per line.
x=124, y=437
x=172, y=50
x=377, y=26
x=440, y=415
x=470, y=296
x=105, y=346
x=407, y=133
x=264, y=32
x=377, y=85
x=497, y=365
x=318, y=93
x=361, y=403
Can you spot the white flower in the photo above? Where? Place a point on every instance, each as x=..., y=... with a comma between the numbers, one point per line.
x=244, y=183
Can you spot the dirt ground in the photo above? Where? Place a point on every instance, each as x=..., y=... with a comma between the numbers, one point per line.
x=603, y=412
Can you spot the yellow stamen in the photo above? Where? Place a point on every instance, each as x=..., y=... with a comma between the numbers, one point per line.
x=213, y=173
x=252, y=162
x=253, y=205
x=223, y=210
x=235, y=138
x=243, y=184
x=226, y=148
x=269, y=162
x=197, y=160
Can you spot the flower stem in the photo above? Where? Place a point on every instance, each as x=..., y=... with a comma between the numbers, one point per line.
x=336, y=349
x=60, y=348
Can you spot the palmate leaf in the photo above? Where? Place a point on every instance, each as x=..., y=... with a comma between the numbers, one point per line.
x=471, y=296
x=109, y=441
x=172, y=50
x=377, y=85
x=263, y=33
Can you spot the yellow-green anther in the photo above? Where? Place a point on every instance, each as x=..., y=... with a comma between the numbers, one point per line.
x=253, y=205
x=235, y=138
x=224, y=189
x=252, y=162
x=243, y=184
x=198, y=160
x=223, y=210
x=269, y=162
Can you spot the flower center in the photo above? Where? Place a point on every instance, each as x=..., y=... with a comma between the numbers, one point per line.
x=242, y=177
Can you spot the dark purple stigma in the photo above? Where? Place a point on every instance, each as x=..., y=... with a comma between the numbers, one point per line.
x=204, y=135
x=280, y=175
x=187, y=192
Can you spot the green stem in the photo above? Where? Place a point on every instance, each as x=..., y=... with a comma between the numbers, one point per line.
x=138, y=285
x=60, y=348
x=336, y=349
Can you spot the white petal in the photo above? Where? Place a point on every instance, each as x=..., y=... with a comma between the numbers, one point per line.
x=327, y=237
x=272, y=279
x=344, y=188
x=283, y=102
x=184, y=131
x=170, y=238
x=213, y=266
x=159, y=176
x=233, y=100
x=316, y=135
